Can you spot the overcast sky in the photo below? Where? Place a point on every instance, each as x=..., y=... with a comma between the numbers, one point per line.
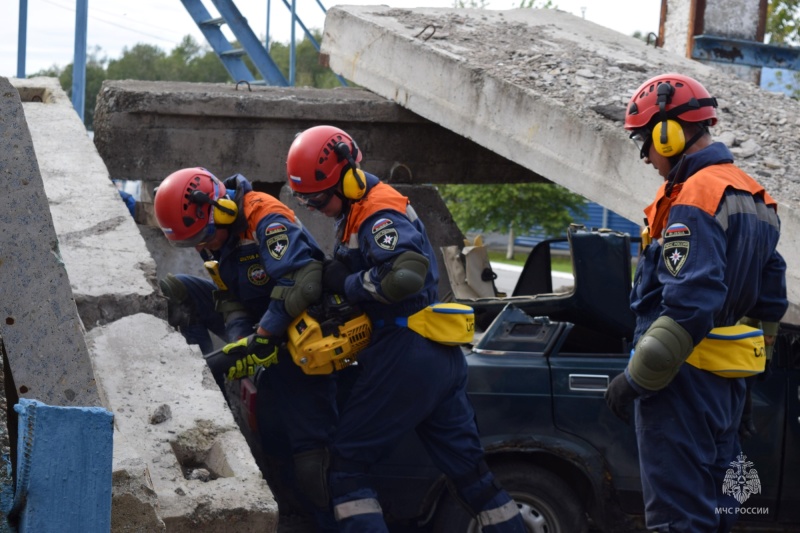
x=116, y=24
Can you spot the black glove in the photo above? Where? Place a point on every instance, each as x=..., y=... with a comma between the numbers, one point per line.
x=250, y=353
x=619, y=395
x=747, y=427
x=334, y=274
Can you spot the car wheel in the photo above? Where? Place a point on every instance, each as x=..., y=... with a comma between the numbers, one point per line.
x=545, y=501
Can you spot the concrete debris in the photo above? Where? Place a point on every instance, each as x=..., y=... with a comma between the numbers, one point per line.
x=161, y=414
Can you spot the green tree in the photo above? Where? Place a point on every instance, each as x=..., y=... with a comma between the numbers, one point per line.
x=504, y=207
x=142, y=62
x=783, y=29
x=782, y=26
x=308, y=71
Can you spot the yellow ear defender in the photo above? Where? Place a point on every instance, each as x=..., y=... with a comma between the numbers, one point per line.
x=668, y=138
x=225, y=209
x=225, y=212
x=354, y=182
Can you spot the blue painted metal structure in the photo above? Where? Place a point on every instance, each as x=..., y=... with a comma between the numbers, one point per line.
x=741, y=52
x=79, y=63
x=22, y=38
x=64, y=464
x=232, y=58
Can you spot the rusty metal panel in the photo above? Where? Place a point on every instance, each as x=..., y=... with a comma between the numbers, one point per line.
x=741, y=52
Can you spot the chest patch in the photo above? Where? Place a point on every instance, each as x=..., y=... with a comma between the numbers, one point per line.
x=381, y=224
x=677, y=230
x=275, y=227
x=277, y=245
x=256, y=275
x=675, y=254
x=387, y=238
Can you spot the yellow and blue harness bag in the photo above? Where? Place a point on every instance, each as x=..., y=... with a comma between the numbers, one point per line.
x=446, y=323
x=731, y=352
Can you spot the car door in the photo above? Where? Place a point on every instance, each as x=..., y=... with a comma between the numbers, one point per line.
x=581, y=372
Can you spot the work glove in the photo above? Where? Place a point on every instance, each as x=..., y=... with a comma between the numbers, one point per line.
x=251, y=352
x=619, y=395
x=180, y=309
x=747, y=427
x=334, y=274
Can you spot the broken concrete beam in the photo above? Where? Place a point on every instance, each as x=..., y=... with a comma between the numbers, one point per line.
x=171, y=416
x=110, y=270
x=147, y=130
x=39, y=322
x=548, y=90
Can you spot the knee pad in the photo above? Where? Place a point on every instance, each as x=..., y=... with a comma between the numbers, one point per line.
x=180, y=310
x=311, y=472
x=659, y=354
x=407, y=276
x=305, y=290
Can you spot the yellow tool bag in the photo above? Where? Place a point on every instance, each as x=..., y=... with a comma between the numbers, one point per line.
x=445, y=323
x=322, y=348
x=731, y=352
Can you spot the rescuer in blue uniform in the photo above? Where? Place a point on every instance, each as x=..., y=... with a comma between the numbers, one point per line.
x=709, y=292
x=269, y=271
x=384, y=263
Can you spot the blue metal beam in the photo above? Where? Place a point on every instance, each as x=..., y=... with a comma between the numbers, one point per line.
x=248, y=40
x=741, y=52
x=79, y=64
x=22, y=38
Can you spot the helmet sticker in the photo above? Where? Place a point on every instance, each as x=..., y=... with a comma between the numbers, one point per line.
x=380, y=224
x=277, y=245
x=387, y=238
x=256, y=275
x=675, y=254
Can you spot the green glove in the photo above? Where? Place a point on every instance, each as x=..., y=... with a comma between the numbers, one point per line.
x=251, y=352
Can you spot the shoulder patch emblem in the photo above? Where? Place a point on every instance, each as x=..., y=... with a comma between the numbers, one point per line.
x=387, y=238
x=256, y=275
x=677, y=230
x=277, y=245
x=675, y=254
x=381, y=224
x=275, y=227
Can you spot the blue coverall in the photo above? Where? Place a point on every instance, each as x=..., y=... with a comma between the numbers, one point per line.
x=406, y=382
x=296, y=412
x=717, y=269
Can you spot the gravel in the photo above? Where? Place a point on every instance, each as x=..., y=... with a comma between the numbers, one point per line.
x=592, y=72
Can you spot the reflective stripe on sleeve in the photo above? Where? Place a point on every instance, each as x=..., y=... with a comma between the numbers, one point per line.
x=358, y=507
x=498, y=515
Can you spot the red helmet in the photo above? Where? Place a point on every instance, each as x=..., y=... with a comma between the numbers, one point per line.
x=315, y=162
x=680, y=97
x=183, y=206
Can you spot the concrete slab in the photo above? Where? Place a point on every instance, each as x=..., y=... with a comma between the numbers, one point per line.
x=146, y=130
x=548, y=90
x=180, y=462
x=169, y=409
x=111, y=273
x=39, y=323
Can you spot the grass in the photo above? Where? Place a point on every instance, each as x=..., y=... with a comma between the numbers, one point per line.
x=559, y=263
